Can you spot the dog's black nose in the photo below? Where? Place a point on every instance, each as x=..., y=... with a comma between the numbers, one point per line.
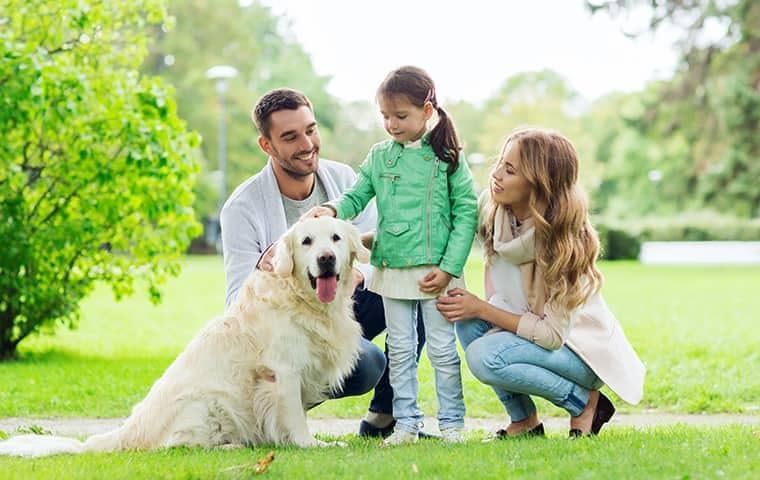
x=326, y=262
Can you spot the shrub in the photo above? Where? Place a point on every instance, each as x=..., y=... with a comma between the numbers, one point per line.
x=96, y=171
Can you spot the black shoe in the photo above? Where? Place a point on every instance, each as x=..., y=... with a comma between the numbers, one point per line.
x=537, y=431
x=604, y=411
x=366, y=429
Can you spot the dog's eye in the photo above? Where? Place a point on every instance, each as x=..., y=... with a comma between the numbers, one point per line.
x=336, y=237
x=306, y=241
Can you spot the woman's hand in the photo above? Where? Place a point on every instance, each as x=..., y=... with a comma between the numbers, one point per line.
x=321, y=211
x=459, y=304
x=435, y=281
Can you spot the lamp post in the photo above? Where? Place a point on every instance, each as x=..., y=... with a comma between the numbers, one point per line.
x=220, y=74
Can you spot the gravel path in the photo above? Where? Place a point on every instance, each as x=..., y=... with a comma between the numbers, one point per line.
x=342, y=426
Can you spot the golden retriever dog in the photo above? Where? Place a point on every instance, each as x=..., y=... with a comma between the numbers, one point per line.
x=247, y=377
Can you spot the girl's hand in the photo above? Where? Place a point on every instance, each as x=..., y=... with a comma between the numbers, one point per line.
x=316, y=212
x=435, y=281
x=459, y=304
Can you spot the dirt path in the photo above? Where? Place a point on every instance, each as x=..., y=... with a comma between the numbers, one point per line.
x=342, y=426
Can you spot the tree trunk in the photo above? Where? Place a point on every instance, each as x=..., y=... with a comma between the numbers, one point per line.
x=7, y=344
x=7, y=350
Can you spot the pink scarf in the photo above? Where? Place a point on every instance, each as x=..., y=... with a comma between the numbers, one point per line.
x=520, y=251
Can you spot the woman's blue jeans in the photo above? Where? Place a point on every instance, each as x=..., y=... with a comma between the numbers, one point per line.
x=516, y=369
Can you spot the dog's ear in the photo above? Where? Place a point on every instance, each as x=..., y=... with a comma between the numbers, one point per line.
x=282, y=262
x=361, y=253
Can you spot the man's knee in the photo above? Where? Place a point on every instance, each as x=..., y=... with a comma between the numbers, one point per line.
x=369, y=312
x=369, y=367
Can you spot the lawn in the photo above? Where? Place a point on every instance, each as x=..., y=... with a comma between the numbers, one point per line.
x=695, y=329
x=666, y=452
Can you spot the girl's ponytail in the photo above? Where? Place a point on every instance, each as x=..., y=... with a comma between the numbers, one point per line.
x=444, y=140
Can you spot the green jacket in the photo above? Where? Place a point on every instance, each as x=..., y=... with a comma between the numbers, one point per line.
x=425, y=215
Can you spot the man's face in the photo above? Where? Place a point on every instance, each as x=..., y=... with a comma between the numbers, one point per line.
x=293, y=142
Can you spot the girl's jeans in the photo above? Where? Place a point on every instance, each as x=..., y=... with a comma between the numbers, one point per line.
x=401, y=320
x=516, y=368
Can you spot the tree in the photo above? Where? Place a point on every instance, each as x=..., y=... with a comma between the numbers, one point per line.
x=708, y=114
x=96, y=168
x=542, y=99
x=258, y=44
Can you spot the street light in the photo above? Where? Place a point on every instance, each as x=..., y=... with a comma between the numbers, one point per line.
x=220, y=74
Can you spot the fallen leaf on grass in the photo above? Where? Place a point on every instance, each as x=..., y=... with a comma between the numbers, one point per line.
x=260, y=467
x=414, y=468
x=264, y=462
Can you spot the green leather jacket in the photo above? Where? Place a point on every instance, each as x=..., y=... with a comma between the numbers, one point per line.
x=425, y=215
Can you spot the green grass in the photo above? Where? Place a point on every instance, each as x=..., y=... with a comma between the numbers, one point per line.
x=665, y=452
x=695, y=329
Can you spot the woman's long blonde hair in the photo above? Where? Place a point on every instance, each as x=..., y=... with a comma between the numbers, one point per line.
x=567, y=245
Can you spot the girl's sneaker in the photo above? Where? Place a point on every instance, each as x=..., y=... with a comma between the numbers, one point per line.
x=452, y=435
x=400, y=437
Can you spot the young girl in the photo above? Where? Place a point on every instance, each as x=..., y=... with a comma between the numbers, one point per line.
x=550, y=332
x=427, y=215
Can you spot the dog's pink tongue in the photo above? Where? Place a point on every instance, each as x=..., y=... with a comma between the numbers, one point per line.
x=326, y=288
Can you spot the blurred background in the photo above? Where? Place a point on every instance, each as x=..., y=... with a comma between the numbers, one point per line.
x=662, y=102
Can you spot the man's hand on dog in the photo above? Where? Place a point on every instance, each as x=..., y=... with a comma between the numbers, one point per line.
x=265, y=262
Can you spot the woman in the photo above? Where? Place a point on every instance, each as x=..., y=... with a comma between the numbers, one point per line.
x=545, y=329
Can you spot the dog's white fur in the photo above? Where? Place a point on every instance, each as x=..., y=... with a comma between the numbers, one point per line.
x=248, y=376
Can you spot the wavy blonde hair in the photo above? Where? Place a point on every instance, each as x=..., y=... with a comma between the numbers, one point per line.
x=567, y=245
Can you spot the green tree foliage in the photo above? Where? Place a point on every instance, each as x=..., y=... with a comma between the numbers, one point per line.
x=259, y=45
x=702, y=125
x=542, y=99
x=96, y=170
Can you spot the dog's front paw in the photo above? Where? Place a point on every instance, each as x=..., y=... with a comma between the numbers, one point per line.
x=308, y=442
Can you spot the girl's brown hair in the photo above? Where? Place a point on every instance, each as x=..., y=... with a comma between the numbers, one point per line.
x=567, y=245
x=415, y=84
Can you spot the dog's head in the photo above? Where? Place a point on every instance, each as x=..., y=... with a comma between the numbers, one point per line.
x=318, y=253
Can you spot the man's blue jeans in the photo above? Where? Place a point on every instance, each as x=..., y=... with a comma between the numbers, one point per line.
x=516, y=369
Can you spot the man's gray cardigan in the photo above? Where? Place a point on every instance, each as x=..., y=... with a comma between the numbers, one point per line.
x=253, y=218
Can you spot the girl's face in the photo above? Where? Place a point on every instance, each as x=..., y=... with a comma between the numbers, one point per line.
x=508, y=186
x=404, y=121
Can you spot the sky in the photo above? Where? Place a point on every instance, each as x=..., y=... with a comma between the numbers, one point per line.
x=470, y=47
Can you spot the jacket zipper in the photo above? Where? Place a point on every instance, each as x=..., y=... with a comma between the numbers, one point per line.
x=429, y=212
x=393, y=179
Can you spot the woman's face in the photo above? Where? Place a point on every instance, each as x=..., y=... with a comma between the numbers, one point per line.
x=508, y=186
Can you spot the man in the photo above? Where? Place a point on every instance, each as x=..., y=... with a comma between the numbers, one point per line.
x=261, y=209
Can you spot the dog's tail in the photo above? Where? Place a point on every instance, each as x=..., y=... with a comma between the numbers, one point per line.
x=40, y=446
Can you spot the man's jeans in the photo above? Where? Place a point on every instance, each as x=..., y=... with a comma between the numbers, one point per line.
x=516, y=368
x=402, y=320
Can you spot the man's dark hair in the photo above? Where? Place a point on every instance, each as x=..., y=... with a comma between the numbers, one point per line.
x=274, y=101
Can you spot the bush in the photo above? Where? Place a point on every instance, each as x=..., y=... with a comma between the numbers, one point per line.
x=622, y=239
x=96, y=168
x=617, y=243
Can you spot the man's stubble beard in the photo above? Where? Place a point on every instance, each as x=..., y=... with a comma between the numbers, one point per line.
x=284, y=166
